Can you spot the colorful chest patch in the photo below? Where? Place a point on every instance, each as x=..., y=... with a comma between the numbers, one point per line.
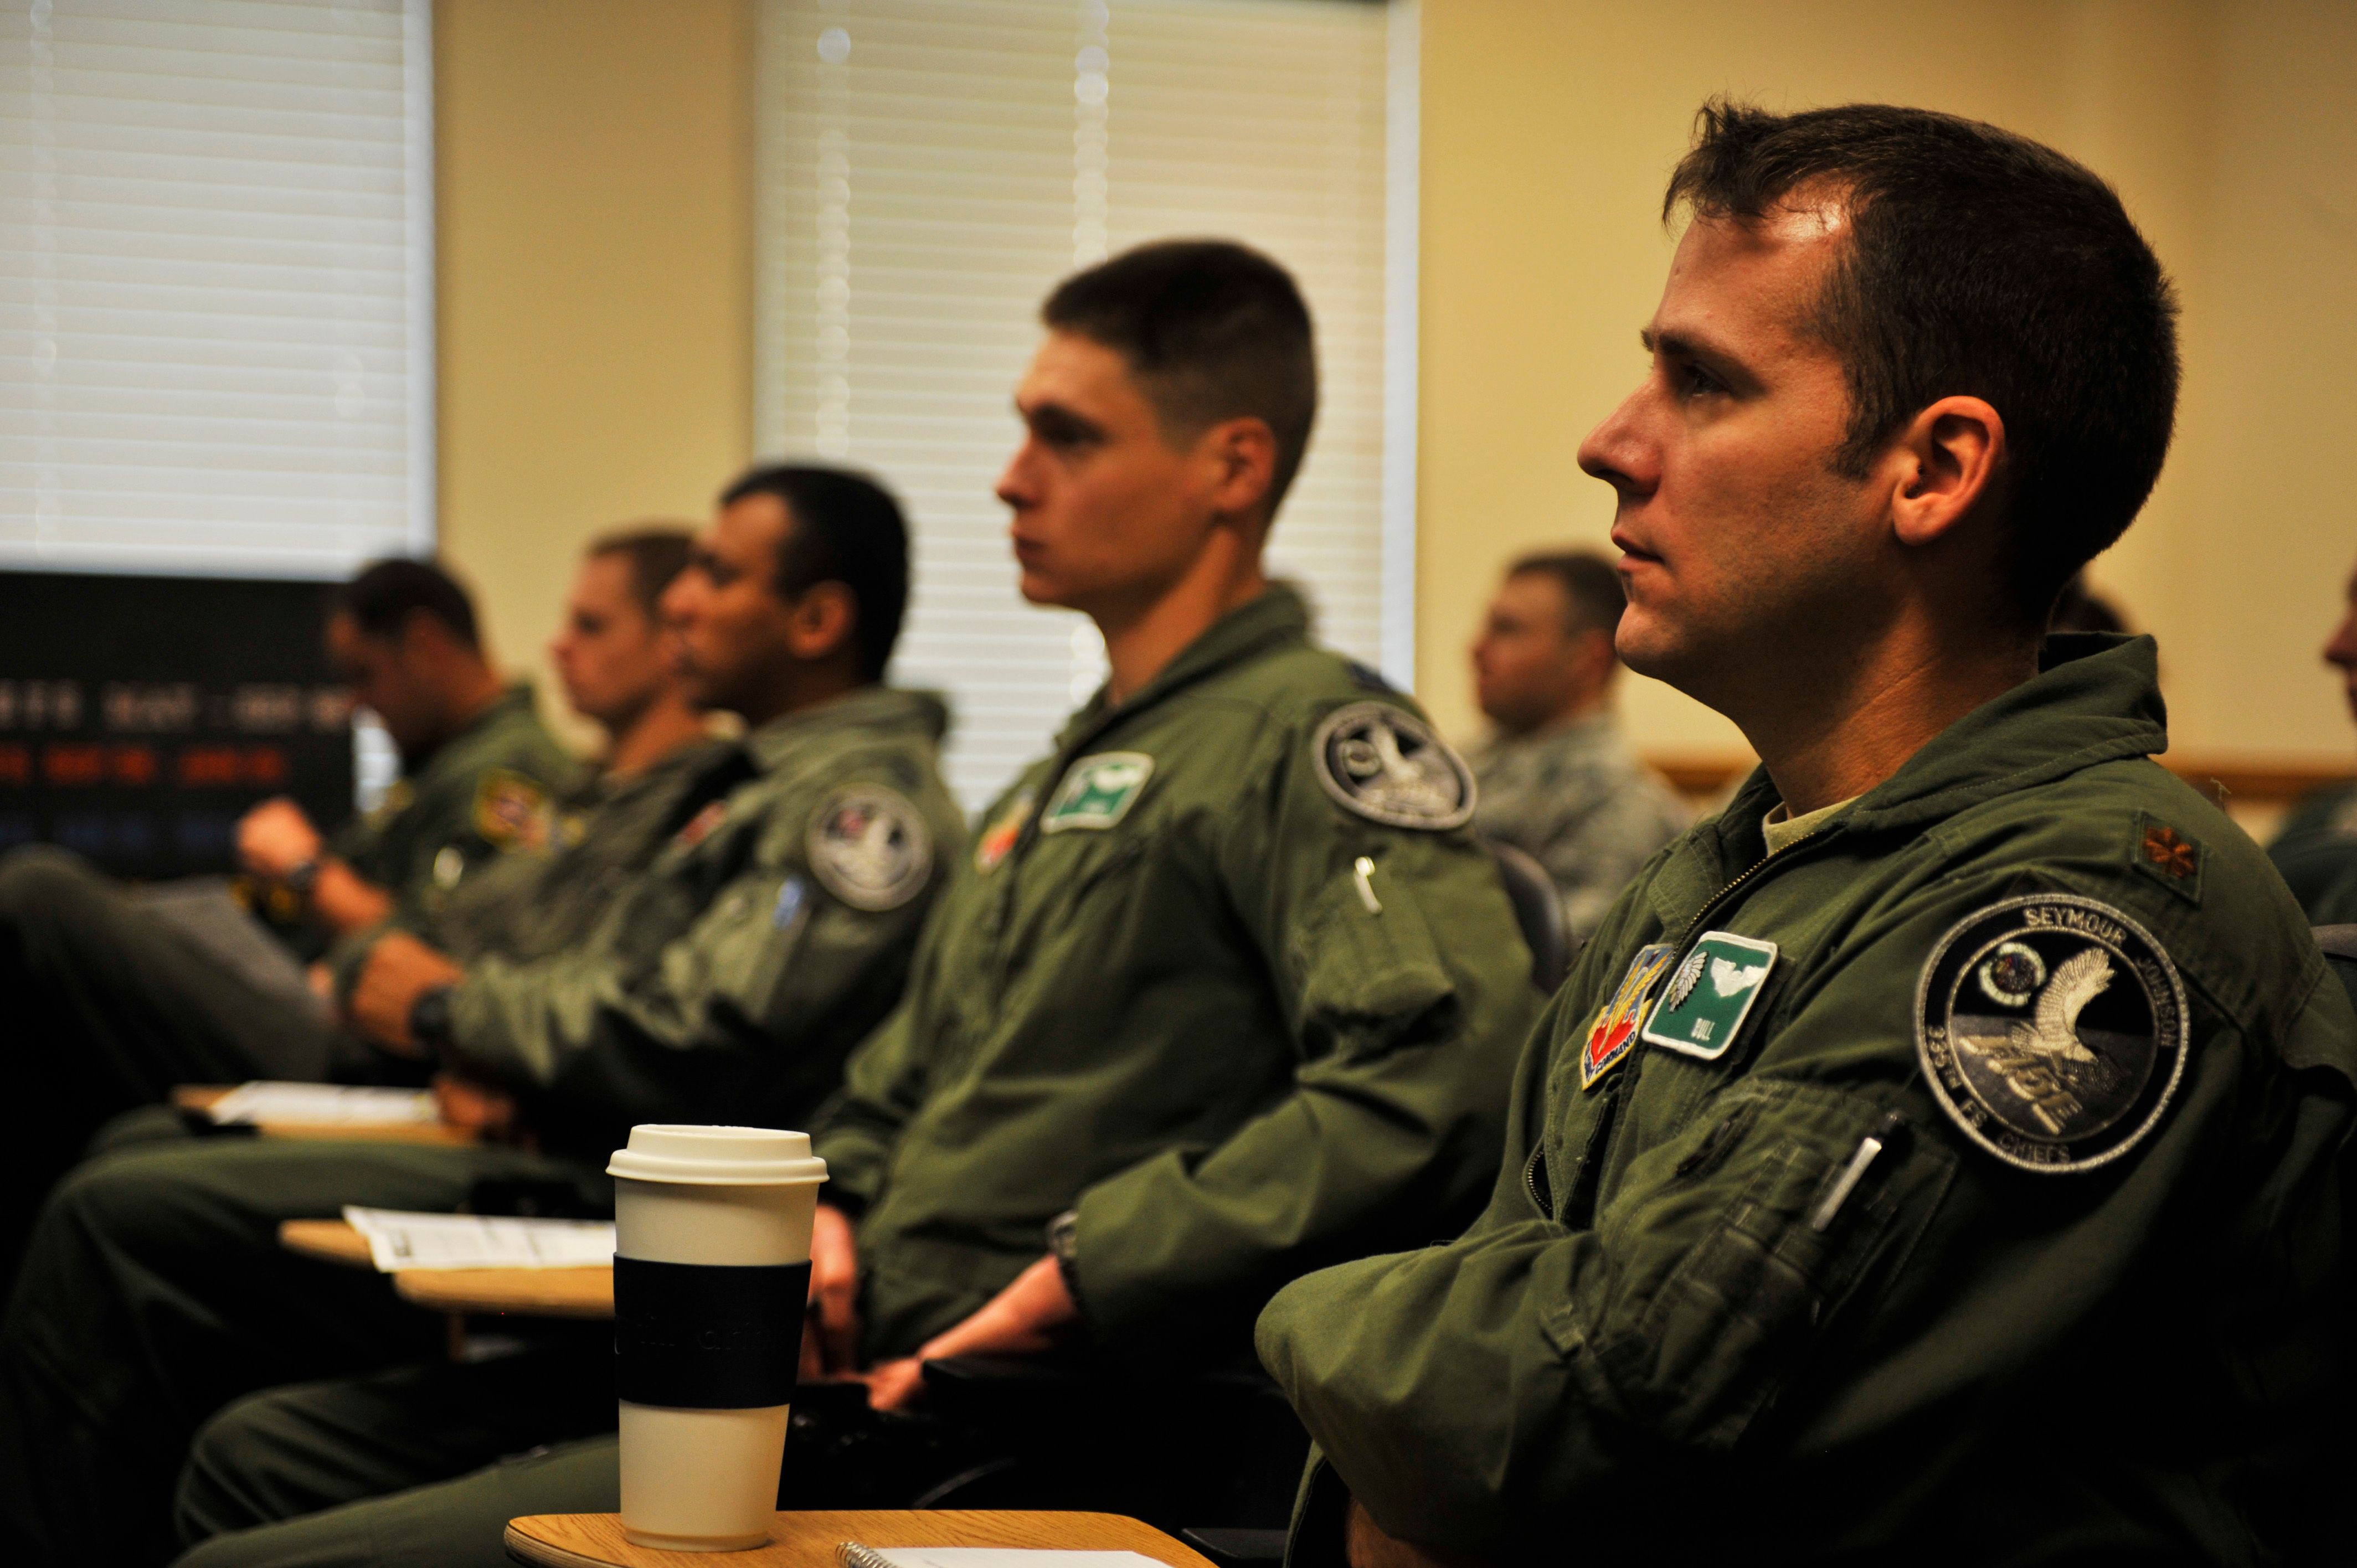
x=1711, y=995
x=1614, y=1033
x=699, y=826
x=1097, y=792
x=869, y=848
x=999, y=839
x=1387, y=765
x=2052, y=1030
x=511, y=811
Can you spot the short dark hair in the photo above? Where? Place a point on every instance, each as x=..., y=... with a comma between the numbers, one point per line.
x=1980, y=264
x=1591, y=587
x=655, y=554
x=1211, y=330
x=840, y=527
x=386, y=593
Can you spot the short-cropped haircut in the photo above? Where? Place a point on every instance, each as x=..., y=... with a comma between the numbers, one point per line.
x=842, y=527
x=1591, y=587
x=654, y=554
x=386, y=593
x=1211, y=330
x=1984, y=264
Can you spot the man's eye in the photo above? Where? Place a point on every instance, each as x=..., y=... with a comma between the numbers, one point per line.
x=1693, y=380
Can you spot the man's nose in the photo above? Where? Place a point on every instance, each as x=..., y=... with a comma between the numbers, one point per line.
x=1617, y=452
x=1014, y=488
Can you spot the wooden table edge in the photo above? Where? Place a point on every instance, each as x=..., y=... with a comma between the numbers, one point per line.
x=536, y=1554
x=535, y=1551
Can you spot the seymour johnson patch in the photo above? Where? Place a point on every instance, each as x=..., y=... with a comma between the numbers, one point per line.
x=511, y=811
x=1614, y=1033
x=1387, y=765
x=2052, y=1029
x=869, y=848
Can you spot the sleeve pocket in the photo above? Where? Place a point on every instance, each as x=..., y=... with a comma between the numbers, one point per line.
x=1370, y=983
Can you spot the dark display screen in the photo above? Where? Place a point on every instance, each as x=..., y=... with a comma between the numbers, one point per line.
x=141, y=717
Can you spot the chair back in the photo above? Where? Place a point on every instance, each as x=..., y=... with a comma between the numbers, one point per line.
x=2340, y=945
x=1538, y=910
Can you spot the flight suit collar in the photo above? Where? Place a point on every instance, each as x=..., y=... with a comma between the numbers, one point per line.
x=2096, y=698
x=1276, y=618
x=869, y=707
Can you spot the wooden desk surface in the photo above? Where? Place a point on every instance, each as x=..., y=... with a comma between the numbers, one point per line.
x=202, y=1096
x=528, y=1293
x=808, y=1540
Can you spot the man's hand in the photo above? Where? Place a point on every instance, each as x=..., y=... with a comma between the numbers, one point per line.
x=1366, y=1546
x=832, y=1342
x=473, y=1105
x=275, y=837
x=399, y=969
x=1027, y=1317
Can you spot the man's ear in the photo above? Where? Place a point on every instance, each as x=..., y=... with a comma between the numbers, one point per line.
x=820, y=622
x=1245, y=453
x=1947, y=462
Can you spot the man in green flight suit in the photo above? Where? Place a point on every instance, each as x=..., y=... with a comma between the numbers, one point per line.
x=725, y=981
x=117, y=994
x=1934, y=1157
x=1230, y=991
x=2316, y=848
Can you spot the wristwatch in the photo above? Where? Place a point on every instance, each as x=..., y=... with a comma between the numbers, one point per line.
x=1065, y=1246
x=429, y=1018
x=301, y=878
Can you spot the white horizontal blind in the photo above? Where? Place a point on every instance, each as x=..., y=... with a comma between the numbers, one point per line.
x=216, y=285
x=928, y=169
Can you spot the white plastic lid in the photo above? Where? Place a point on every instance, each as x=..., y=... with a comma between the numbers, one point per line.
x=718, y=1156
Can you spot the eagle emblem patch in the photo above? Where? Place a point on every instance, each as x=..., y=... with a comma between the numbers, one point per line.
x=869, y=848
x=2052, y=1030
x=1614, y=1033
x=1388, y=766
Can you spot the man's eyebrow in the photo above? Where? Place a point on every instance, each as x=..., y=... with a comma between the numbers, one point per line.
x=1057, y=418
x=1676, y=345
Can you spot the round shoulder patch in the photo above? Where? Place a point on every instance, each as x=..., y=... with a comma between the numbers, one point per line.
x=2052, y=1029
x=1387, y=765
x=868, y=847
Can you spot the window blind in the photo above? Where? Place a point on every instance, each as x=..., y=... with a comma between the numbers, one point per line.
x=216, y=285
x=928, y=169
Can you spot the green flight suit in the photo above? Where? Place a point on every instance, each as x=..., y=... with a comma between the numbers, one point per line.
x=1164, y=998
x=1768, y=1299
x=723, y=984
x=111, y=1003
x=2316, y=847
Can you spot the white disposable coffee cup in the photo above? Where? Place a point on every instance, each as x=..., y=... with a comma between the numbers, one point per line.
x=701, y=1476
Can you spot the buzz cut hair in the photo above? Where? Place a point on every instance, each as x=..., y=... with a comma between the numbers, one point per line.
x=386, y=593
x=654, y=552
x=840, y=527
x=1979, y=264
x=1211, y=330
x=1592, y=591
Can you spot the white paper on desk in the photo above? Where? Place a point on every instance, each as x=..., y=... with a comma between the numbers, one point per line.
x=1006, y=1557
x=324, y=1104
x=398, y=1240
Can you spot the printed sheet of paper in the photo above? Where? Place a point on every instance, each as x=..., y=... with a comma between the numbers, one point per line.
x=398, y=1240
x=324, y=1104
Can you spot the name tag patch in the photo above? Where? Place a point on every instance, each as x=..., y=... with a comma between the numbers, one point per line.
x=1711, y=995
x=1097, y=792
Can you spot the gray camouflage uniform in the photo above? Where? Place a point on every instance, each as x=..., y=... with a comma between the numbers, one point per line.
x=1574, y=798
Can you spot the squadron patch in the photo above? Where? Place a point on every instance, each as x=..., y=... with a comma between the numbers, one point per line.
x=1097, y=792
x=1614, y=1033
x=1710, y=995
x=869, y=848
x=997, y=840
x=2052, y=1029
x=511, y=811
x=1388, y=766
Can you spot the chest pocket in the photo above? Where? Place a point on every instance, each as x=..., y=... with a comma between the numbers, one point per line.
x=1369, y=982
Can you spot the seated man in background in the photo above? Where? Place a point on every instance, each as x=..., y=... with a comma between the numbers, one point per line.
x=2316, y=848
x=114, y=999
x=1230, y=990
x=1935, y=1157
x=1557, y=780
x=721, y=979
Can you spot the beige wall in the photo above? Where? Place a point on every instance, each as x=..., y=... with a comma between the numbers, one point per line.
x=1550, y=124
x=596, y=296
x=596, y=319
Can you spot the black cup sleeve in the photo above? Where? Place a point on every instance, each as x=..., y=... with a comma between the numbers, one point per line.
x=707, y=1336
